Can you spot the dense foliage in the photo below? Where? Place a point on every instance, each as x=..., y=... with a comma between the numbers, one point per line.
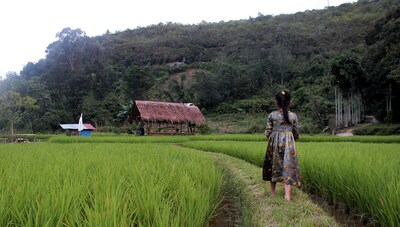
x=238, y=64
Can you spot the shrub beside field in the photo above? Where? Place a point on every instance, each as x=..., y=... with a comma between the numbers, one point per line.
x=377, y=129
x=360, y=139
x=106, y=185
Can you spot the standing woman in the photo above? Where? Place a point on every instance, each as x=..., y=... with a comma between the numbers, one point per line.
x=281, y=163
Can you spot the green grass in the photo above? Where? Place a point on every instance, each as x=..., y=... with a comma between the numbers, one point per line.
x=237, y=122
x=120, y=139
x=149, y=181
x=360, y=139
x=36, y=137
x=251, y=152
x=154, y=139
x=106, y=185
x=218, y=137
x=250, y=194
x=363, y=176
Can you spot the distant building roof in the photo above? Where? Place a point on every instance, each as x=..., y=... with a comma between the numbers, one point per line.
x=75, y=126
x=167, y=112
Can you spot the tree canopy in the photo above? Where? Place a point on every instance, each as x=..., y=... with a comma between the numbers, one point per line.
x=215, y=65
x=13, y=106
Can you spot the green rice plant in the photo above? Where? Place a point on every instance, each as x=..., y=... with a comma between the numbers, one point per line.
x=362, y=176
x=95, y=133
x=154, y=139
x=361, y=139
x=303, y=138
x=42, y=136
x=120, y=139
x=107, y=138
x=231, y=137
x=248, y=151
x=106, y=185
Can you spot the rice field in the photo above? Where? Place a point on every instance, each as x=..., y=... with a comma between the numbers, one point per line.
x=99, y=138
x=365, y=177
x=125, y=180
x=106, y=185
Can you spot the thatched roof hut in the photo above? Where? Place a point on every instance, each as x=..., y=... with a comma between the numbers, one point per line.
x=151, y=111
x=166, y=114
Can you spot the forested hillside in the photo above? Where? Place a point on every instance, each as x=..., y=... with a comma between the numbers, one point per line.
x=225, y=67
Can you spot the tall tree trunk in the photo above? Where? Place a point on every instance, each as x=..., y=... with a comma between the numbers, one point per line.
x=390, y=97
x=343, y=111
x=358, y=117
x=355, y=108
x=347, y=111
x=359, y=107
x=12, y=130
x=71, y=62
x=346, y=104
x=351, y=108
x=356, y=105
x=340, y=106
x=387, y=102
x=336, y=108
x=353, y=105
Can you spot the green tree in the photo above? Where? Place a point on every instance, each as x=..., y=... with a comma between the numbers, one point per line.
x=348, y=79
x=137, y=81
x=383, y=64
x=44, y=118
x=206, y=89
x=12, y=105
x=281, y=62
x=75, y=68
x=65, y=47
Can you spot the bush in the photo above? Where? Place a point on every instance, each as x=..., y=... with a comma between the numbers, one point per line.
x=130, y=129
x=308, y=128
x=204, y=129
x=255, y=129
x=255, y=105
x=378, y=129
x=389, y=117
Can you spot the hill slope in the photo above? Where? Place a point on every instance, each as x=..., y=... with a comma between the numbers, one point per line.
x=236, y=63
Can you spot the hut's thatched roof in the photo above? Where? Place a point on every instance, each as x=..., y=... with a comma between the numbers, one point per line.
x=152, y=111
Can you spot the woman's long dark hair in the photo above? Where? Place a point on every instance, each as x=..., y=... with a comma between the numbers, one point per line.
x=283, y=101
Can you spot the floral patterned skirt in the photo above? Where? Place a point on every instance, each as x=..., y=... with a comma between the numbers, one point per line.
x=281, y=162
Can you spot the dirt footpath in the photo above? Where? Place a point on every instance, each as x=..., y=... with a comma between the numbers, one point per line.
x=254, y=205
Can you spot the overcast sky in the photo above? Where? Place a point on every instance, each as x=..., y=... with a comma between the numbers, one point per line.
x=29, y=26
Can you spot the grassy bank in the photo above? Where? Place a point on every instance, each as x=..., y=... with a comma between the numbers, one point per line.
x=250, y=195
